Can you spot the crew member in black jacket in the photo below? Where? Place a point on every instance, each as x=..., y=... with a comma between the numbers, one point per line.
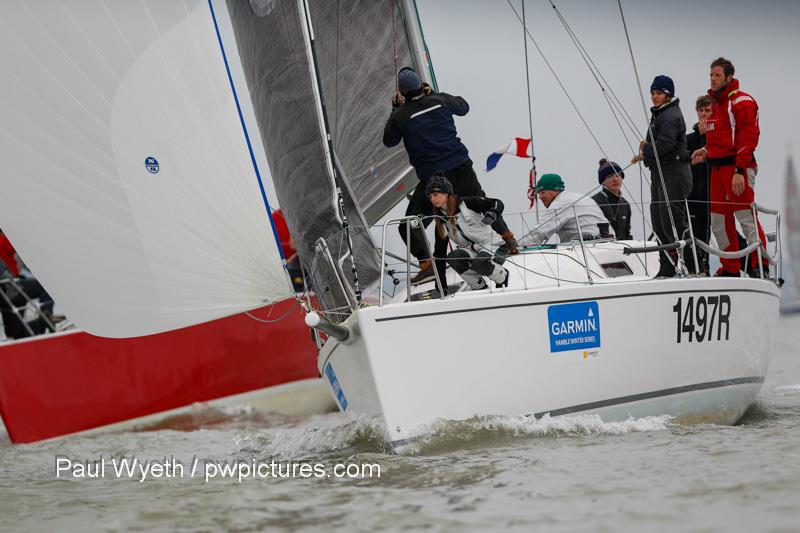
x=423, y=120
x=616, y=208
x=669, y=141
x=699, y=212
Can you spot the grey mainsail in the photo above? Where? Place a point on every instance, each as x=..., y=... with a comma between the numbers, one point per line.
x=275, y=58
x=361, y=45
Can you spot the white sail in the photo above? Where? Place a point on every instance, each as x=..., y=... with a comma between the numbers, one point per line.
x=129, y=185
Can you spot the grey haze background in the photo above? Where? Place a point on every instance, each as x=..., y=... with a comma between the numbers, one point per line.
x=477, y=52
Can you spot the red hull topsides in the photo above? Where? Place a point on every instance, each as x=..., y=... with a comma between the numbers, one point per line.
x=56, y=384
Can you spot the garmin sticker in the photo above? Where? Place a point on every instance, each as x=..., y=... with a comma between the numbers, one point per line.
x=574, y=326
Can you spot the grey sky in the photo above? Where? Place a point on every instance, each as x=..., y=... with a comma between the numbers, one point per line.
x=477, y=52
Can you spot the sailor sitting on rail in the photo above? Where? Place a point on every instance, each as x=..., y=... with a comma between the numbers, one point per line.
x=468, y=223
x=564, y=213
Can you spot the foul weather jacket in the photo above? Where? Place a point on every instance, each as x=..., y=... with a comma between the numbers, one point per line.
x=426, y=127
x=469, y=231
x=560, y=218
x=732, y=129
x=669, y=131
x=618, y=212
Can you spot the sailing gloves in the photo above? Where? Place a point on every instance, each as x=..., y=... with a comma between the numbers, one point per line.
x=489, y=218
x=398, y=99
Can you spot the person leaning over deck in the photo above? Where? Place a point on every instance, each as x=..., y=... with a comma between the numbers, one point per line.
x=423, y=120
x=732, y=134
x=616, y=208
x=667, y=137
x=466, y=222
x=564, y=211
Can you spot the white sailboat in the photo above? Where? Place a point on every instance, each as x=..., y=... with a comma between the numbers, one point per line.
x=582, y=328
x=627, y=346
x=790, y=300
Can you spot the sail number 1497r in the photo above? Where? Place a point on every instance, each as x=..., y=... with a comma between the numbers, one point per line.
x=703, y=318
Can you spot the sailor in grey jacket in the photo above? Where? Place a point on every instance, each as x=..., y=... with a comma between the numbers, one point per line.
x=467, y=222
x=564, y=212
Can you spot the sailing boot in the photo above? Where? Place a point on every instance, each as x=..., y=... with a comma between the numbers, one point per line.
x=499, y=276
x=425, y=273
x=474, y=280
x=511, y=245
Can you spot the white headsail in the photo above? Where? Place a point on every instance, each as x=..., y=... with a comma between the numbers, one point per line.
x=129, y=184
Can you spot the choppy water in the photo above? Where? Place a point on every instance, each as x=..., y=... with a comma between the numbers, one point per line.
x=576, y=474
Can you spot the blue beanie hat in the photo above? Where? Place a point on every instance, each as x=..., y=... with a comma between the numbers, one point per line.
x=664, y=84
x=408, y=80
x=607, y=168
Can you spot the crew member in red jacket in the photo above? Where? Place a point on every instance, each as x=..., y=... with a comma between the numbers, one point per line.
x=731, y=138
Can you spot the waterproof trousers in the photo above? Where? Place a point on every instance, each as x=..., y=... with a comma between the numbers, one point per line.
x=472, y=266
x=727, y=208
x=678, y=184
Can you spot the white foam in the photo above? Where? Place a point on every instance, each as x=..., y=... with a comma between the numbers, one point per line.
x=316, y=435
x=574, y=424
x=520, y=426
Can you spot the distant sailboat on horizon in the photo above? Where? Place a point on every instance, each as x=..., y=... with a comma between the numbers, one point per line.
x=790, y=303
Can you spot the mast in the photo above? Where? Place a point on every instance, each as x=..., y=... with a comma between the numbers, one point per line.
x=419, y=50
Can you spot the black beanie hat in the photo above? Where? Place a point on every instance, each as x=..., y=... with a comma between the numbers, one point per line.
x=608, y=168
x=438, y=184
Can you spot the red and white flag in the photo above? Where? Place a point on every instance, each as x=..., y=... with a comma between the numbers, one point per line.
x=519, y=147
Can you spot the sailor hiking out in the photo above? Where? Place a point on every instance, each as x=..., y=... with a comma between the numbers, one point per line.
x=423, y=120
x=571, y=215
x=467, y=223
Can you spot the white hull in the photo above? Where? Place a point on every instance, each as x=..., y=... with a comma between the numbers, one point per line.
x=409, y=364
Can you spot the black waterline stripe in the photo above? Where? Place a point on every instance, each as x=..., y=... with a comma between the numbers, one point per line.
x=625, y=399
x=553, y=302
x=649, y=395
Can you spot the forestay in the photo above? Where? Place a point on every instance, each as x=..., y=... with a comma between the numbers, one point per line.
x=128, y=186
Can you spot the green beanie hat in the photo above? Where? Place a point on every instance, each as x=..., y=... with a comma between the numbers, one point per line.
x=550, y=182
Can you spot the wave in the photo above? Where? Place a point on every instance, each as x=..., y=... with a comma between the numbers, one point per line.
x=342, y=434
x=498, y=429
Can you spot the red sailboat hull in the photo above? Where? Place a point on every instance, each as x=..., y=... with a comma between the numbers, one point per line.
x=67, y=382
